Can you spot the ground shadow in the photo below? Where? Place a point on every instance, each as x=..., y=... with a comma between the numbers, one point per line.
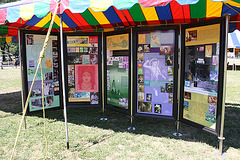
x=119, y=122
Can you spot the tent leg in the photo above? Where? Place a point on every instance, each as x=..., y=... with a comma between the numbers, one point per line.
x=178, y=90
x=22, y=81
x=131, y=102
x=103, y=87
x=63, y=83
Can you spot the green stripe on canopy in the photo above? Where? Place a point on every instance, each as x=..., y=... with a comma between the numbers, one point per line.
x=89, y=17
x=136, y=13
x=198, y=10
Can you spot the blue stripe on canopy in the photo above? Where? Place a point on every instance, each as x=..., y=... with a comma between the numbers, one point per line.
x=112, y=15
x=68, y=21
x=164, y=12
x=230, y=9
x=33, y=21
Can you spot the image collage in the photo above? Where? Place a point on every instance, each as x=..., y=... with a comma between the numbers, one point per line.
x=117, y=70
x=50, y=72
x=155, y=63
x=201, y=78
x=82, y=66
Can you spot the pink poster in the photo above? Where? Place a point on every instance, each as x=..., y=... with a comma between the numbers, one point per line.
x=86, y=78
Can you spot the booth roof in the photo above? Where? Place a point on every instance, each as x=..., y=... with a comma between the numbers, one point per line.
x=101, y=14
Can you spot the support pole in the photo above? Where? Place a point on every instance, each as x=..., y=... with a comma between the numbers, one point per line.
x=63, y=81
x=178, y=91
x=221, y=138
x=22, y=81
x=131, y=101
x=103, y=86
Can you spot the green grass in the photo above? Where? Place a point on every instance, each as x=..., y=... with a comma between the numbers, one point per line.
x=91, y=138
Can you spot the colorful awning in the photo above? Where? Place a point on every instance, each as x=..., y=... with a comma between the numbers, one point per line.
x=102, y=14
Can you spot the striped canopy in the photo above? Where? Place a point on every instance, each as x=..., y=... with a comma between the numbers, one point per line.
x=103, y=14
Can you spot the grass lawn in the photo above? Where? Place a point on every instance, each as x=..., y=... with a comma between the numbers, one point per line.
x=91, y=138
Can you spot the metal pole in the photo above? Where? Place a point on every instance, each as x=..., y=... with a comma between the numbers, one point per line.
x=63, y=82
x=22, y=81
x=178, y=91
x=131, y=101
x=221, y=138
x=103, y=87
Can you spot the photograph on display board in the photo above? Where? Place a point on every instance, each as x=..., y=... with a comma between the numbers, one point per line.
x=201, y=75
x=117, y=70
x=155, y=61
x=50, y=72
x=86, y=78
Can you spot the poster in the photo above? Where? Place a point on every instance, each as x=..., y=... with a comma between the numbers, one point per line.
x=201, y=75
x=50, y=72
x=155, y=62
x=117, y=70
x=82, y=58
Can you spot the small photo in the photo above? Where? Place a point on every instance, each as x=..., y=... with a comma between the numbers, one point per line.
x=140, y=57
x=85, y=59
x=213, y=76
x=140, y=78
x=77, y=49
x=212, y=99
x=168, y=59
x=215, y=60
x=85, y=49
x=94, y=98
x=48, y=88
x=36, y=103
x=212, y=108
x=140, y=48
x=48, y=76
x=170, y=71
x=81, y=49
x=166, y=50
x=54, y=51
x=170, y=79
x=140, y=87
x=140, y=70
x=94, y=59
x=157, y=108
x=140, y=65
x=208, y=51
x=49, y=101
x=169, y=87
x=149, y=97
x=191, y=36
x=146, y=47
x=185, y=105
x=170, y=95
x=54, y=43
x=31, y=63
x=210, y=117
x=195, y=84
x=187, y=83
x=201, y=48
x=140, y=96
x=187, y=95
x=48, y=63
x=144, y=107
x=30, y=40
x=36, y=93
x=170, y=100
x=162, y=89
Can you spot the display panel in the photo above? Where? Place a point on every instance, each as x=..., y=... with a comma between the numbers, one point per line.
x=155, y=72
x=34, y=44
x=201, y=75
x=117, y=47
x=82, y=68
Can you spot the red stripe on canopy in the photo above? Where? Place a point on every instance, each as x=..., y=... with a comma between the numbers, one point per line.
x=129, y=17
x=177, y=12
x=121, y=16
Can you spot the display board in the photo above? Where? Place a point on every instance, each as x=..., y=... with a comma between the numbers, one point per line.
x=202, y=86
x=82, y=69
x=34, y=44
x=117, y=50
x=156, y=70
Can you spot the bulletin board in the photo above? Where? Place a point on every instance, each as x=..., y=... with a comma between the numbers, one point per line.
x=156, y=72
x=33, y=43
x=117, y=73
x=83, y=69
x=202, y=74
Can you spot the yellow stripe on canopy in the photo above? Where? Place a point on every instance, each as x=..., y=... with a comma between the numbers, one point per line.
x=44, y=21
x=150, y=13
x=213, y=9
x=27, y=11
x=100, y=5
x=232, y=3
x=57, y=21
x=99, y=16
x=8, y=39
